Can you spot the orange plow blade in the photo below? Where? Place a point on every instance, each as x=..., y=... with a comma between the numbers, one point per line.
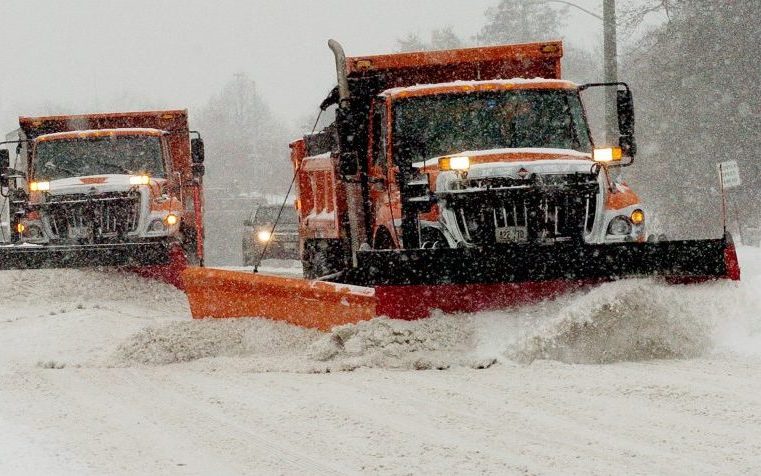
x=316, y=304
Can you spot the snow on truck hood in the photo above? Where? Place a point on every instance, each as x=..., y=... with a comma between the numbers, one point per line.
x=502, y=161
x=542, y=167
x=102, y=183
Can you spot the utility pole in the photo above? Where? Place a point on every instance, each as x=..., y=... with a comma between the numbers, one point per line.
x=611, y=68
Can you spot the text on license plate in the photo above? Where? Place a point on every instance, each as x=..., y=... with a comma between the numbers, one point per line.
x=511, y=234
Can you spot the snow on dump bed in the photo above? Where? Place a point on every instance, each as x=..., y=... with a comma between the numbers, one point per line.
x=480, y=83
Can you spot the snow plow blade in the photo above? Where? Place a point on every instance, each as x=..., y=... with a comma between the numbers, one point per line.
x=316, y=304
x=409, y=284
x=84, y=256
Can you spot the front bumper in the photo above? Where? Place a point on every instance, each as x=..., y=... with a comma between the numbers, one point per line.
x=143, y=253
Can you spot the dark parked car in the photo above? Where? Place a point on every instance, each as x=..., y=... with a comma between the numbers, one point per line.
x=282, y=242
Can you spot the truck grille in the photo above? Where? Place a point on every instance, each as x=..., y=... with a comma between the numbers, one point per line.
x=549, y=219
x=93, y=218
x=538, y=208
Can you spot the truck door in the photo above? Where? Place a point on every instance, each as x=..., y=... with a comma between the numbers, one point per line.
x=384, y=194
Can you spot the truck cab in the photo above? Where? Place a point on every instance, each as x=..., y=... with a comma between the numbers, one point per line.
x=500, y=161
x=99, y=186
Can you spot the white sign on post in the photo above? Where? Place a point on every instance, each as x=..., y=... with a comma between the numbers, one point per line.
x=729, y=173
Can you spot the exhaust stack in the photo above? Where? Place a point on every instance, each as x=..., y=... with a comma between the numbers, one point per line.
x=348, y=160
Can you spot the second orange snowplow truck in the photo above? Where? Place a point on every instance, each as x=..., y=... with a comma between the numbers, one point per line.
x=457, y=180
x=107, y=189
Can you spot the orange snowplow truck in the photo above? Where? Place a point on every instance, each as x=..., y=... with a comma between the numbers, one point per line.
x=119, y=189
x=458, y=180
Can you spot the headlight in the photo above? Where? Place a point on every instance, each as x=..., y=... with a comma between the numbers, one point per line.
x=264, y=236
x=171, y=219
x=620, y=226
x=139, y=180
x=637, y=216
x=454, y=163
x=608, y=154
x=39, y=186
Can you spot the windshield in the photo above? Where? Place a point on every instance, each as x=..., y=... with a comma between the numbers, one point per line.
x=129, y=155
x=432, y=126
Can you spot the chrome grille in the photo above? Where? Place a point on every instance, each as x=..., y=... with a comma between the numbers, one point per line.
x=101, y=217
x=556, y=218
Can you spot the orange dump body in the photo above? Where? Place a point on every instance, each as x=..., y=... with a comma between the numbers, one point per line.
x=321, y=199
x=529, y=60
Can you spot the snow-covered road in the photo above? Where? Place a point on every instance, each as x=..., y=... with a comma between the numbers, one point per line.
x=107, y=373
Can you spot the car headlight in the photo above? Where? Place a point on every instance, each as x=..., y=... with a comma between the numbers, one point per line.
x=264, y=236
x=620, y=226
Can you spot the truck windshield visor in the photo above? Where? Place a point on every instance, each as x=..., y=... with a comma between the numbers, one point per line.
x=433, y=126
x=122, y=155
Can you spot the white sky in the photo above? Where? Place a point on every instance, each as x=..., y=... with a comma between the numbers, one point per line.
x=99, y=55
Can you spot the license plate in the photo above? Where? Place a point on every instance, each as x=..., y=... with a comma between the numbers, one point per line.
x=511, y=234
x=79, y=232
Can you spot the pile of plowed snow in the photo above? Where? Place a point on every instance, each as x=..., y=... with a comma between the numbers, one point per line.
x=263, y=345
x=67, y=317
x=629, y=320
x=56, y=290
x=625, y=321
x=193, y=340
x=622, y=321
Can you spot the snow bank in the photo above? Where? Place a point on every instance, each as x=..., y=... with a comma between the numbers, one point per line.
x=193, y=340
x=261, y=345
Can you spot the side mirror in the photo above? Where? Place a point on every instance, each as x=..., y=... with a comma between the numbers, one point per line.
x=197, y=150
x=248, y=223
x=625, y=107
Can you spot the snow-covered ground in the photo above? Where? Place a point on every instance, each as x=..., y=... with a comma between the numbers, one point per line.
x=107, y=374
